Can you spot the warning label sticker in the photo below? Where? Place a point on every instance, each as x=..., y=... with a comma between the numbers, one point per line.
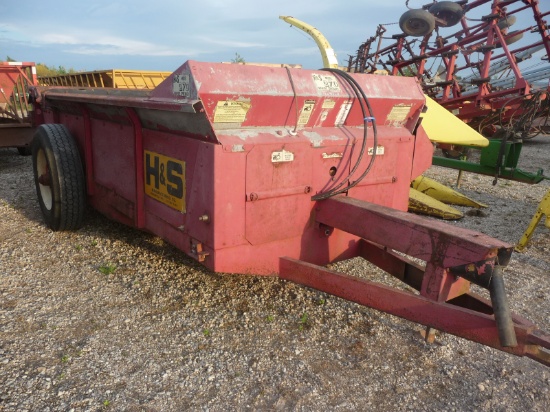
x=329, y=104
x=231, y=111
x=165, y=180
x=325, y=82
x=282, y=156
x=399, y=113
x=306, y=112
x=379, y=150
x=180, y=85
x=343, y=113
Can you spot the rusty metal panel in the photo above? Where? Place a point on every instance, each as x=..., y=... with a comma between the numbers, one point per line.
x=257, y=143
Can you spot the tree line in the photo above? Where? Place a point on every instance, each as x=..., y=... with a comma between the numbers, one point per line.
x=43, y=70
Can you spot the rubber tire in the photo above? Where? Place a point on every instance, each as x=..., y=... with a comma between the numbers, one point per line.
x=448, y=11
x=504, y=23
x=512, y=39
x=417, y=23
x=56, y=156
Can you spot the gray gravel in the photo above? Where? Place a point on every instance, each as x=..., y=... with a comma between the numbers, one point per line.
x=109, y=318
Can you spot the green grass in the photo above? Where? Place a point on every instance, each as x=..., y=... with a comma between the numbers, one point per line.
x=303, y=321
x=107, y=269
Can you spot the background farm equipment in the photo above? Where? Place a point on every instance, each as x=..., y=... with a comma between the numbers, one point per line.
x=474, y=71
x=16, y=122
x=277, y=171
x=543, y=210
x=116, y=78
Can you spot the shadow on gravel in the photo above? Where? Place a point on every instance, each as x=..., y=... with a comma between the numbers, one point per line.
x=17, y=184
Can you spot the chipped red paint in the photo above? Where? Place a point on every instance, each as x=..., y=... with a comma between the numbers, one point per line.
x=250, y=146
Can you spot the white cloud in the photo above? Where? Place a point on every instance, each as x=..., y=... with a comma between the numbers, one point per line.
x=117, y=31
x=228, y=43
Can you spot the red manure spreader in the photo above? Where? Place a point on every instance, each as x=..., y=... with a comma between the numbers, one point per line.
x=278, y=171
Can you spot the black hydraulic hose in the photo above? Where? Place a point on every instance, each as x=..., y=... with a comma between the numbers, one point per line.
x=374, y=130
x=366, y=119
x=333, y=191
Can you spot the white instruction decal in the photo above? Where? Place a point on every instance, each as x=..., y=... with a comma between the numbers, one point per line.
x=325, y=82
x=306, y=112
x=282, y=156
x=379, y=150
x=343, y=114
x=335, y=155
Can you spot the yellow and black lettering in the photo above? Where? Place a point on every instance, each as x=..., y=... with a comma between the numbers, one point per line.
x=165, y=180
x=151, y=169
x=174, y=175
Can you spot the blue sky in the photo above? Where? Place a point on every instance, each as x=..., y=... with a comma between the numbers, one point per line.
x=162, y=34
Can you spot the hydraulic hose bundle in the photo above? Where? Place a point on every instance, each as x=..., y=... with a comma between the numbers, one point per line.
x=368, y=117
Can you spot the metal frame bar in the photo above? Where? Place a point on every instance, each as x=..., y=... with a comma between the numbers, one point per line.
x=454, y=258
x=481, y=36
x=465, y=323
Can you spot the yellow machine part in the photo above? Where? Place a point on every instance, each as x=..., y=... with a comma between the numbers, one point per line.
x=327, y=52
x=442, y=126
x=443, y=193
x=423, y=204
x=542, y=209
x=116, y=78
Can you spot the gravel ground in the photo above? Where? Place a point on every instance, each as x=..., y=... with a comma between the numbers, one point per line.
x=109, y=318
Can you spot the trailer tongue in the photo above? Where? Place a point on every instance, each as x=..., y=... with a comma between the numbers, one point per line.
x=277, y=171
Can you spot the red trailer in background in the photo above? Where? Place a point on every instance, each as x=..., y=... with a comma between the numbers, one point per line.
x=278, y=171
x=16, y=123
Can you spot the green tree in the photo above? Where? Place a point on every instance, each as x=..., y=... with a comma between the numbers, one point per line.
x=43, y=70
x=238, y=59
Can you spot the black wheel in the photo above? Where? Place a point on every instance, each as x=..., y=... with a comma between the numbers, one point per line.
x=417, y=23
x=59, y=177
x=24, y=150
x=448, y=11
